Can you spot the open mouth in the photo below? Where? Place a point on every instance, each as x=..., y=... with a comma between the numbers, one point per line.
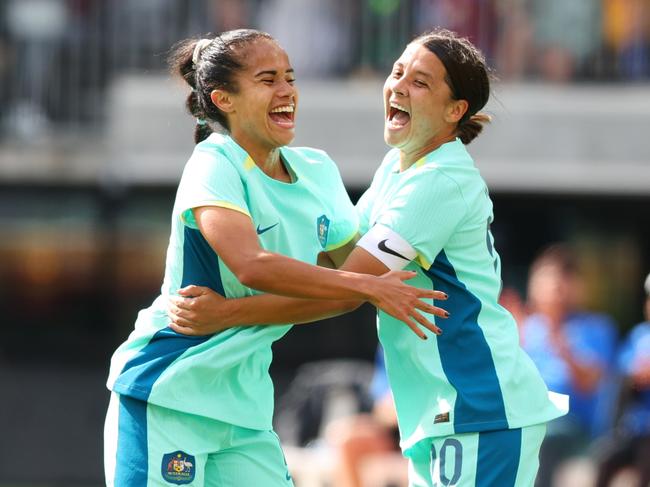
x=398, y=116
x=283, y=116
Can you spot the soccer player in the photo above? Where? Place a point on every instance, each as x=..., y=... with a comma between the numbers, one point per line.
x=197, y=410
x=471, y=405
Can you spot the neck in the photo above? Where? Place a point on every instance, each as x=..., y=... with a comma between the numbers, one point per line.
x=267, y=159
x=407, y=157
x=271, y=164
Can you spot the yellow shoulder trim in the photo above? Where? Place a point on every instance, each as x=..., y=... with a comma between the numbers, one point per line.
x=423, y=262
x=221, y=204
x=249, y=163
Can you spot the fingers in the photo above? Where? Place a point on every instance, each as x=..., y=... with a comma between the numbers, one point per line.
x=183, y=303
x=430, y=293
x=415, y=328
x=403, y=275
x=433, y=310
x=191, y=290
x=177, y=311
x=183, y=330
x=426, y=323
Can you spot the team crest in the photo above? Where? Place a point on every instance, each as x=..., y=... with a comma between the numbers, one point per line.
x=178, y=468
x=323, y=228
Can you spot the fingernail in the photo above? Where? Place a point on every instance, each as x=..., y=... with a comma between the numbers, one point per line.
x=445, y=294
x=446, y=314
x=425, y=337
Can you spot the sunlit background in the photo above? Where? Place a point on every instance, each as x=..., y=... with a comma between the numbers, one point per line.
x=93, y=138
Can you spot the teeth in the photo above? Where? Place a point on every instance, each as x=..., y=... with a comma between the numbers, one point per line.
x=399, y=107
x=286, y=108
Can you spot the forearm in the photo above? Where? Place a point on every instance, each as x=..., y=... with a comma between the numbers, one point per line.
x=276, y=274
x=267, y=309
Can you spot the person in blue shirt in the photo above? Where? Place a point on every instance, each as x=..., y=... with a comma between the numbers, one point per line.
x=573, y=350
x=631, y=447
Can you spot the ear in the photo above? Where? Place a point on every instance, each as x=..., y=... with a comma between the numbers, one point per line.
x=455, y=110
x=222, y=100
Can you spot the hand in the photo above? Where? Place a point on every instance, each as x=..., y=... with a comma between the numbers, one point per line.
x=198, y=310
x=402, y=301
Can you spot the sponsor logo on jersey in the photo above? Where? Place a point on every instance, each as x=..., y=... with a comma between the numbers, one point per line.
x=178, y=467
x=384, y=248
x=441, y=418
x=261, y=230
x=322, y=228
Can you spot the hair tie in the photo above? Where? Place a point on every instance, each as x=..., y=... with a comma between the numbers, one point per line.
x=200, y=45
x=200, y=121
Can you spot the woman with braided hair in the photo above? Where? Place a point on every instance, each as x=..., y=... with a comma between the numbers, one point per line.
x=251, y=215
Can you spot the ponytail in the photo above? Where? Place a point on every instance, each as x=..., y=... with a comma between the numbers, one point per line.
x=472, y=127
x=182, y=64
x=210, y=64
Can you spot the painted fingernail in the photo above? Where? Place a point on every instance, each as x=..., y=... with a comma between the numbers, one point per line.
x=445, y=295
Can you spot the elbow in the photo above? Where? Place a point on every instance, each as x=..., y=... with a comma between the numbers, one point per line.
x=252, y=272
x=348, y=306
x=249, y=278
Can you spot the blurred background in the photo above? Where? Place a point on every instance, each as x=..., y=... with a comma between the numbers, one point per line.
x=93, y=139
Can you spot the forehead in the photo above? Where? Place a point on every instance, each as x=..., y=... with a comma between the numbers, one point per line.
x=418, y=58
x=264, y=55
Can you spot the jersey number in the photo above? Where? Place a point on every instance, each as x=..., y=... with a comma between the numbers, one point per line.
x=450, y=447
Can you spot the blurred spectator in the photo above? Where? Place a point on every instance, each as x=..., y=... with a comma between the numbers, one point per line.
x=515, y=37
x=312, y=31
x=626, y=28
x=573, y=350
x=630, y=446
x=566, y=34
x=511, y=299
x=474, y=19
x=36, y=28
x=355, y=438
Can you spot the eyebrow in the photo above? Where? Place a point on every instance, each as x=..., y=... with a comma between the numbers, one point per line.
x=422, y=73
x=271, y=72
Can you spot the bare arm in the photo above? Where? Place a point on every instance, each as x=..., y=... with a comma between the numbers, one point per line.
x=232, y=236
x=204, y=311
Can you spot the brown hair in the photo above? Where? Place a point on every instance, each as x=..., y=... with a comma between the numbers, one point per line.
x=207, y=66
x=467, y=77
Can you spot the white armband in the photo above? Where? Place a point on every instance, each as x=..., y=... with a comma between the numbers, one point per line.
x=388, y=247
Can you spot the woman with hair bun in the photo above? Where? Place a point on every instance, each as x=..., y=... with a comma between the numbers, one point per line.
x=251, y=214
x=471, y=406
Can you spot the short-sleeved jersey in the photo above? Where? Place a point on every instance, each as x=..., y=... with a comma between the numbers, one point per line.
x=225, y=376
x=474, y=377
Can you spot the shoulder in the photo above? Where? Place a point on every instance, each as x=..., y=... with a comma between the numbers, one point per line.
x=216, y=154
x=312, y=162
x=640, y=332
x=310, y=155
x=592, y=320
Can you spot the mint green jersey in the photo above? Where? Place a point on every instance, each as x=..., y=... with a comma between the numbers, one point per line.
x=474, y=377
x=225, y=376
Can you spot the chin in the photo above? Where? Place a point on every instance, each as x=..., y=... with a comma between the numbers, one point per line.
x=393, y=140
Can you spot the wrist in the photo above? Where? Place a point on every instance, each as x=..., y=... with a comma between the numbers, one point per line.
x=230, y=314
x=364, y=286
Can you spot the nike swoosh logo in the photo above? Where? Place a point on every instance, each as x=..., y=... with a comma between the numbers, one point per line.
x=382, y=246
x=260, y=231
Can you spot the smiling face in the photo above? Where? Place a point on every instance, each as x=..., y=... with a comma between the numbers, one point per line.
x=261, y=113
x=420, y=113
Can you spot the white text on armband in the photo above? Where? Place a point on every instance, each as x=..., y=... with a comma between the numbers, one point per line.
x=388, y=246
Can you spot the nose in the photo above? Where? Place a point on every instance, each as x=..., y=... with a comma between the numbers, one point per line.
x=398, y=86
x=287, y=90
